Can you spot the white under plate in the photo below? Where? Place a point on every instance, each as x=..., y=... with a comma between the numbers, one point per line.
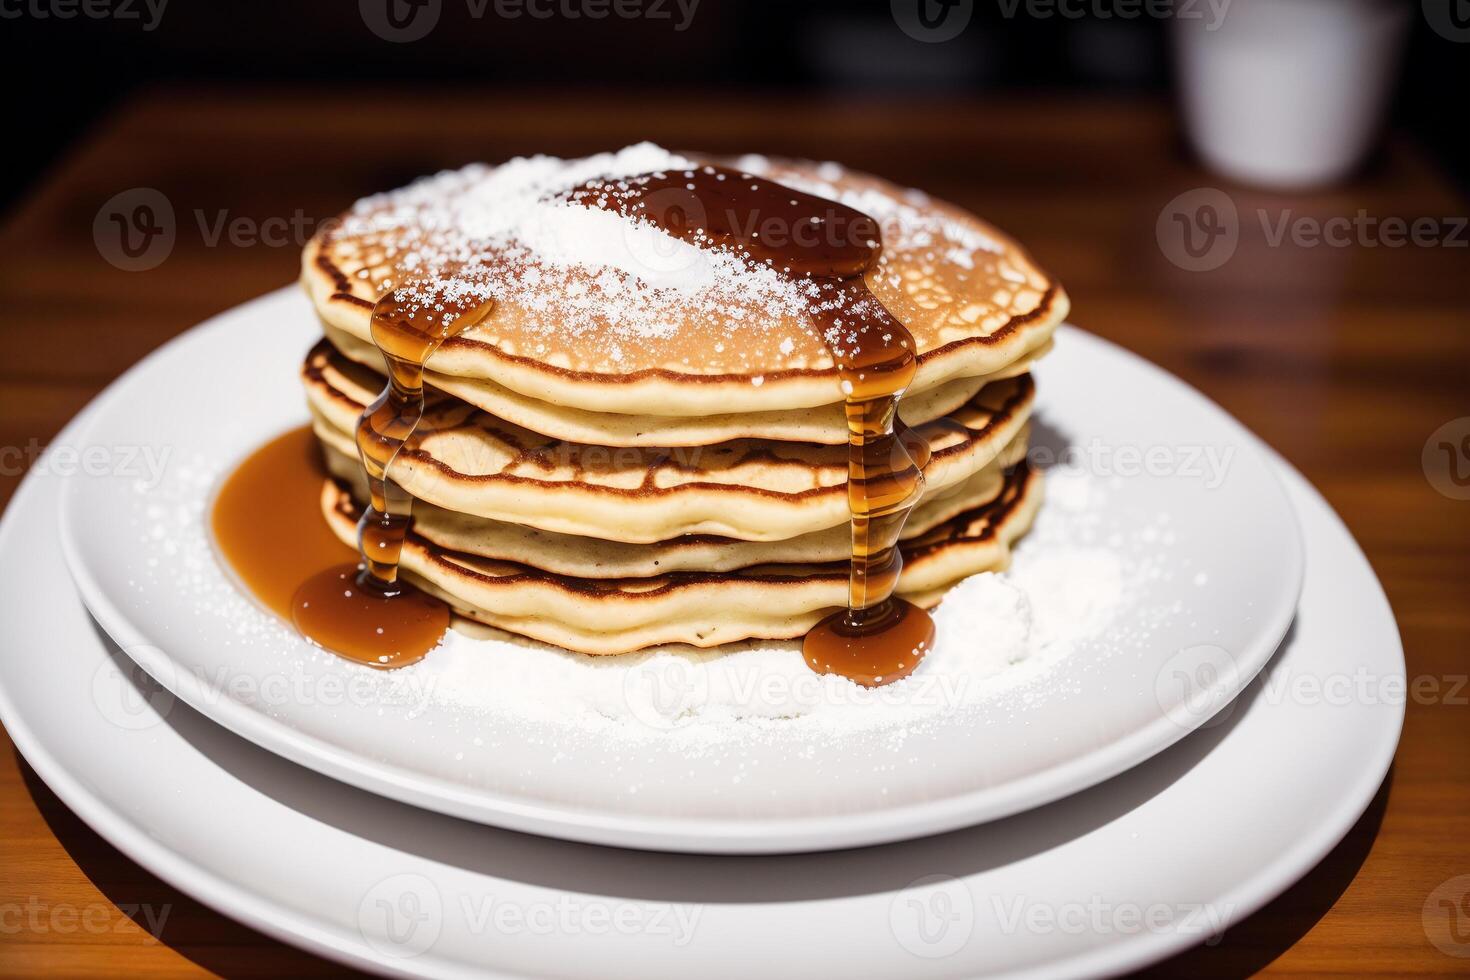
x=1110, y=879
x=1177, y=493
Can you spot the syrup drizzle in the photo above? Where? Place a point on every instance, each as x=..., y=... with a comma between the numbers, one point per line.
x=365, y=613
x=827, y=246
x=368, y=614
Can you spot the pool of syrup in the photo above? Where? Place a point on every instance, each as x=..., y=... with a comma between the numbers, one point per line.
x=267, y=520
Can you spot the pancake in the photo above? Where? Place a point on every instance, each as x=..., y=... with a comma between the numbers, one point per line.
x=465, y=460
x=776, y=601
x=608, y=315
x=583, y=557
x=824, y=424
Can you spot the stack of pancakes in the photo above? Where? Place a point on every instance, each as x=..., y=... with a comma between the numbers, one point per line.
x=642, y=445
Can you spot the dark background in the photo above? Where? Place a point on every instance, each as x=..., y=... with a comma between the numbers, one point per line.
x=62, y=75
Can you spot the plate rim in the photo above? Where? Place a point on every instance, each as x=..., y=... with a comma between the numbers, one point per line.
x=696, y=835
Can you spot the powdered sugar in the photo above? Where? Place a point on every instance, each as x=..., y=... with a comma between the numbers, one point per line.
x=1000, y=635
x=572, y=278
x=505, y=234
x=986, y=626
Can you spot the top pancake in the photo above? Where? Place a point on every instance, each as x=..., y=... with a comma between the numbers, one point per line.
x=605, y=313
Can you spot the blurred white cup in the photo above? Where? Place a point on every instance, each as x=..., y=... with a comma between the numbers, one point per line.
x=1288, y=93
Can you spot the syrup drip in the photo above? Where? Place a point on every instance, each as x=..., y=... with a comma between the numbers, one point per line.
x=879, y=638
x=367, y=614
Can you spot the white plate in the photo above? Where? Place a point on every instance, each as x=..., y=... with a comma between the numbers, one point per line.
x=1223, y=821
x=1222, y=544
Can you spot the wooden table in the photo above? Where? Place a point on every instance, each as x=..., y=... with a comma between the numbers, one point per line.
x=1345, y=359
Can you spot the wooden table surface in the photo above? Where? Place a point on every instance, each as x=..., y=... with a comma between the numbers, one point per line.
x=1346, y=355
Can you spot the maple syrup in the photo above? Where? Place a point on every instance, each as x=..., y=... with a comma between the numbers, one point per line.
x=370, y=615
x=879, y=638
x=365, y=612
x=267, y=520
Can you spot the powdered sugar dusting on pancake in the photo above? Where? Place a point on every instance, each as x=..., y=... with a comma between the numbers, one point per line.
x=504, y=234
x=584, y=288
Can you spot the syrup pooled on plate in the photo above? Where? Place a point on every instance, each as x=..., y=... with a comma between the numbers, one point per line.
x=879, y=638
x=369, y=614
x=267, y=520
